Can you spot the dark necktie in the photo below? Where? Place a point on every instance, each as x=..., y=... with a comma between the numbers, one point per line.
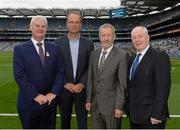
x=135, y=65
x=41, y=53
x=102, y=61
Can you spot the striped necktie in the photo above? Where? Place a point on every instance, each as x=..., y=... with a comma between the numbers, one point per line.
x=102, y=61
x=41, y=53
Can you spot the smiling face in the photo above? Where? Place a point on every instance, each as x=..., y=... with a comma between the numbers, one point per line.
x=38, y=28
x=107, y=36
x=140, y=38
x=74, y=23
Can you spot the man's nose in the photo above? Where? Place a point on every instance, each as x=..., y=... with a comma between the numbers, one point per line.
x=105, y=37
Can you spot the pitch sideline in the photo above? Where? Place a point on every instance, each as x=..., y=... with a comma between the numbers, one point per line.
x=73, y=115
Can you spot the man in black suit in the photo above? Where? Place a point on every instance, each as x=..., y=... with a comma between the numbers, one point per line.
x=149, y=84
x=75, y=51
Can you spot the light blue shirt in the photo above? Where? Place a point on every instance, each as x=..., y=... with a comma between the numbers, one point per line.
x=74, y=47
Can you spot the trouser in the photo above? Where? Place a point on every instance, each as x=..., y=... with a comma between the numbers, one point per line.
x=148, y=126
x=99, y=121
x=44, y=118
x=66, y=104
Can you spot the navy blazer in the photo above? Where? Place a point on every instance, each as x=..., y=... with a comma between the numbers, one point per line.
x=85, y=48
x=34, y=79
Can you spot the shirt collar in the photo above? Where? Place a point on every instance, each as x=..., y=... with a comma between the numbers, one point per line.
x=108, y=50
x=144, y=51
x=35, y=41
x=76, y=38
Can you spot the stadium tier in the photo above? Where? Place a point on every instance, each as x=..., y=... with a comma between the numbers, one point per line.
x=163, y=25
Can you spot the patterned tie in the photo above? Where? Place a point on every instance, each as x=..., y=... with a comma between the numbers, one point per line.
x=41, y=53
x=102, y=61
x=135, y=65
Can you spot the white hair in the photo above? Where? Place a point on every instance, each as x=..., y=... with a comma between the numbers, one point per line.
x=142, y=27
x=38, y=17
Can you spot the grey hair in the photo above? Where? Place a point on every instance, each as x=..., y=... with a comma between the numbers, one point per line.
x=144, y=28
x=107, y=25
x=38, y=17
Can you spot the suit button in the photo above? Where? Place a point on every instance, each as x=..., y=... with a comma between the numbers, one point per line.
x=97, y=93
x=98, y=81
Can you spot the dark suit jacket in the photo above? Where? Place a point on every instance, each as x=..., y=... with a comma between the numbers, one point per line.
x=107, y=90
x=30, y=75
x=148, y=91
x=85, y=47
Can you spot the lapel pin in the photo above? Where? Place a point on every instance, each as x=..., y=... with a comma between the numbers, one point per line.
x=47, y=54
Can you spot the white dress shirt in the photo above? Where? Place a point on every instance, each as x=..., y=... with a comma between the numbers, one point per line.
x=36, y=46
x=108, y=51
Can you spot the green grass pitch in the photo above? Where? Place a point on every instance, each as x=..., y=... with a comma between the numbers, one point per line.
x=9, y=90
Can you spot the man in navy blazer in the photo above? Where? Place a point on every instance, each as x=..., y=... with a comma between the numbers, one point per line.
x=39, y=73
x=149, y=84
x=75, y=51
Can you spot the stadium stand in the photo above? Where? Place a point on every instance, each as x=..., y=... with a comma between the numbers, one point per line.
x=164, y=28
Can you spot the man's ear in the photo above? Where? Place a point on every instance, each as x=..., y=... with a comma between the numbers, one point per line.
x=30, y=28
x=114, y=37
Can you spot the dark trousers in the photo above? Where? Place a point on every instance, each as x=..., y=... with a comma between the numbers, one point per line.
x=66, y=103
x=44, y=118
x=148, y=126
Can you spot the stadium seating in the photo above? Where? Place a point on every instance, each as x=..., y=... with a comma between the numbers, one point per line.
x=163, y=27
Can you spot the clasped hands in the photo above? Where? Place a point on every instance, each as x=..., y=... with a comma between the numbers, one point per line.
x=42, y=99
x=74, y=88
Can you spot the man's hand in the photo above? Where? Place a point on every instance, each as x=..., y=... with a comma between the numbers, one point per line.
x=41, y=99
x=155, y=121
x=50, y=97
x=69, y=86
x=78, y=88
x=118, y=113
x=88, y=106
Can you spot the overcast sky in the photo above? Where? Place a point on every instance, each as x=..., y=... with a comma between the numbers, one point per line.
x=82, y=4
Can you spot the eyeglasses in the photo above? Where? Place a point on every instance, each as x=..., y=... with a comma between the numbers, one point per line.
x=74, y=22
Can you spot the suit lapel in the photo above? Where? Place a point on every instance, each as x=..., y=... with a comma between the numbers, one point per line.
x=34, y=53
x=97, y=56
x=143, y=61
x=108, y=59
x=80, y=54
x=68, y=52
x=47, y=54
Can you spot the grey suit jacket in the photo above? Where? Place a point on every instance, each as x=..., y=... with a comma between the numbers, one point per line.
x=107, y=90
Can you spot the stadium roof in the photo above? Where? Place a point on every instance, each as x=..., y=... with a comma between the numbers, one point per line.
x=88, y=8
x=148, y=6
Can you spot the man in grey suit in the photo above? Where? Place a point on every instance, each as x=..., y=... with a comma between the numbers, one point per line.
x=107, y=82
